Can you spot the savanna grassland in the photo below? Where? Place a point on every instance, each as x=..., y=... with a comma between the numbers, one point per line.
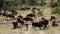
x=8, y=28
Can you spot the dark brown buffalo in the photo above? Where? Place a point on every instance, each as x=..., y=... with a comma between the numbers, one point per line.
x=10, y=16
x=20, y=20
x=20, y=16
x=44, y=22
x=2, y=13
x=52, y=18
x=15, y=23
x=54, y=23
x=36, y=24
x=28, y=19
x=30, y=15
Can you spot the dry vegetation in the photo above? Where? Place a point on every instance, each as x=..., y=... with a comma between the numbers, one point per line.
x=8, y=28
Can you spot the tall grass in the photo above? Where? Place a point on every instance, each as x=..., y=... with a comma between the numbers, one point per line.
x=56, y=10
x=40, y=12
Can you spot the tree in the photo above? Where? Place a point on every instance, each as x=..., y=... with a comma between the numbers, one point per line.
x=56, y=10
x=1, y=3
x=43, y=3
x=32, y=2
x=58, y=2
x=23, y=1
x=9, y=5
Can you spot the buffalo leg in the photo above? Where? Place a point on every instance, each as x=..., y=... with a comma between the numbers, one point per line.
x=26, y=26
x=15, y=25
x=45, y=26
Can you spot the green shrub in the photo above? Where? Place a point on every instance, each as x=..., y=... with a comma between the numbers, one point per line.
x=43, y=3
x=54, y=4
x=56, y=10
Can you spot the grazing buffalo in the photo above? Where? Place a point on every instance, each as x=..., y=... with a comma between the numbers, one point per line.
x=28, y=19
x=15, y=23
x=20, y=20
x=20, y=16
x=3, y=13
x=36, y=24
x=54, y=23
x=10, y=16
x=44, y=22
x=52, y=17
x=30, y=15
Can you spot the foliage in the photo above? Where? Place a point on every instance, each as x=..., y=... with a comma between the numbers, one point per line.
x=43, y=3
x=1, y=3
x=54, y=4
x=32, y=2
x=15, y=4
x=56, y=10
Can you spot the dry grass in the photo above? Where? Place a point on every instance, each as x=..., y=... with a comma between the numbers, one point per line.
x=7, y=28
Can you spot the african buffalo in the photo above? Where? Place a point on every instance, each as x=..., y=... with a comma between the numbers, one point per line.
x=20, y=20
x=15, y=23
x=37, y=24
x=30, y=15
x=44, y=22
x=28, y=19
x=54, y=23
x=52, y=18
x=10, y=16
x=20, y=16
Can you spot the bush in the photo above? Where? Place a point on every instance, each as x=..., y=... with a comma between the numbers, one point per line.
x=54, y=4
x=43, y=3
x=56, y=10
x=32, y=2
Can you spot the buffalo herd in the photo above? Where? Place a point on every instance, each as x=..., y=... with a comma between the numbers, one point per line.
x=42, y=23
x=11, y=15
x=22, y=20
